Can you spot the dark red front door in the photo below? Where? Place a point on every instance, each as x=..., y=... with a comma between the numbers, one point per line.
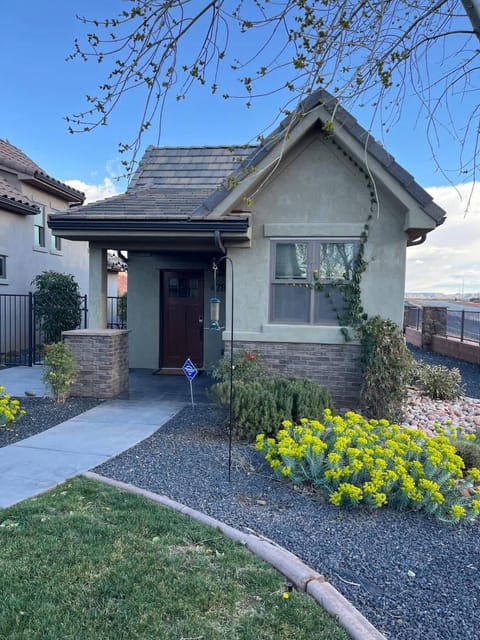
x=182, y=318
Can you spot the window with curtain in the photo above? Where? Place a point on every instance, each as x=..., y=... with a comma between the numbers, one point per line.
x=306, y=279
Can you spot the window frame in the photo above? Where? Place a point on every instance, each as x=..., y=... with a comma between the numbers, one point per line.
x=313, y=259
x=41, y=244
x=54, y=241
x=3, y=267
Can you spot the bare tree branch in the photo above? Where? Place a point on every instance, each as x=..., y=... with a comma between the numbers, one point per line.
x=376, y=53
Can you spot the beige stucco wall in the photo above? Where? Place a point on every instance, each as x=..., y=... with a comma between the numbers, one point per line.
x=25, y=261
x=144, y=315
x=318, y=192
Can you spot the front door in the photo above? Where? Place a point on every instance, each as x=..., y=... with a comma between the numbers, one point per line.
x=182, y=318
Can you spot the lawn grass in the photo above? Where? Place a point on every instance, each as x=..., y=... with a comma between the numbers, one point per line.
x=87, y=561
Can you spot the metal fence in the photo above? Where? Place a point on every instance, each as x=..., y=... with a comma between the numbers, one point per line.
x=463, y=325
x=117, y=312
x=23, y=327
x=414, y=317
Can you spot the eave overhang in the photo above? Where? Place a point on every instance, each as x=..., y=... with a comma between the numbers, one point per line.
x=18, y=207
x=54, y=187
x=150, y=231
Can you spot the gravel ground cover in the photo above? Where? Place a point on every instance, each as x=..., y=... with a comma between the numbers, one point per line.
x=411, y=576
x=42, y=413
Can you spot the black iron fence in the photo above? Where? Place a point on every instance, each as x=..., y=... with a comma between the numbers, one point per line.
x=463, y=325
x=117, y=312
x=25, y=326
x=413, y=317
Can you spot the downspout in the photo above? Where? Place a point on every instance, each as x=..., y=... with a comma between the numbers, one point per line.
x=218, y=242
x=418, y=241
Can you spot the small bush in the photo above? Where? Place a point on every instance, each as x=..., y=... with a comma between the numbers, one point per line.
x=439, y=382
x=355, y=461
x=247, y=367
x=262, y=399
x=386, y=366
x=10, y=409
x=122, y=307
x=469, y=452
x=59, y=370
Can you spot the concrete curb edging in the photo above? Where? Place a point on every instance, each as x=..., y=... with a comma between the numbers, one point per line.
x=301, y=575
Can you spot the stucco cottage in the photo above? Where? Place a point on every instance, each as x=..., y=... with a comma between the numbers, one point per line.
x=289, y=213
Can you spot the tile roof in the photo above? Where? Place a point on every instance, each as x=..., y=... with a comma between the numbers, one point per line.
x=189, y=181
x=146, y=203
x=10, y=192
x=323, y=98
x=187, y=167
x=14, y=159
x=14, y=196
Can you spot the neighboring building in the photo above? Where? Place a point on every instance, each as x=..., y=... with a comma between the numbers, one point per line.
x=27, y=196
x=117, y=274
x=289, y=212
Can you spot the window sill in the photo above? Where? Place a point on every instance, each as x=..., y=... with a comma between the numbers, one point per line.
x=4, y=281
x=313, y=334
x=40, y=249
x=55, y=252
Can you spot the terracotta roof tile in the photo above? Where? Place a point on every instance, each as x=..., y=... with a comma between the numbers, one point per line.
x=10, y=192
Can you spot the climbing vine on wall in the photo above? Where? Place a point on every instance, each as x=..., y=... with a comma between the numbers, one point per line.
x=351, y=315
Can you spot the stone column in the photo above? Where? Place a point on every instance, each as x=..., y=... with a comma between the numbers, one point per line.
x=97, y=295
x=101, y=356
x=434, y=323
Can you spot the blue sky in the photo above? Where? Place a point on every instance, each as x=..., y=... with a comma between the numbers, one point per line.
x=39, y=88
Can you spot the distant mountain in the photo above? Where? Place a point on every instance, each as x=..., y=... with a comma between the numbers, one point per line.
x=426, y=294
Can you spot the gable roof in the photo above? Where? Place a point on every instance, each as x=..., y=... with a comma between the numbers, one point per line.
x=192, y=182
x=16, y=163
x=339, y=115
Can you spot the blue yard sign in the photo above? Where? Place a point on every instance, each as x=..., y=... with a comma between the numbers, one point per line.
x=190, y=370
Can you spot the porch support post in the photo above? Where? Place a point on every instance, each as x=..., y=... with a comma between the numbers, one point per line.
x=97, y=298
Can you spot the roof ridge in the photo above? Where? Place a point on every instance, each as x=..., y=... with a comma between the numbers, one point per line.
x=204, y=146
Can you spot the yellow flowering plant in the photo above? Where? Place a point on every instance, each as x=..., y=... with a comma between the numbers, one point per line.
x=357, y=461
x=9, y=409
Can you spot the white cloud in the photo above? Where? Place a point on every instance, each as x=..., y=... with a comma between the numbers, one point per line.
x=449, y=260
x=94, y=192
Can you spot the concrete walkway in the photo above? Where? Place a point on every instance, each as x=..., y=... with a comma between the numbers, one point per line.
x=38, y=463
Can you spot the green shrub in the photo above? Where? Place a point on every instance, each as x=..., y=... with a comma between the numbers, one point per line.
x=386, y=367
x=57, y=302
x=10, y=409
x=246, y=368
x=59, y=370
x=469, y=452
x=122, y=307
x=439, y=382
x=262, y=399
x=354, y=461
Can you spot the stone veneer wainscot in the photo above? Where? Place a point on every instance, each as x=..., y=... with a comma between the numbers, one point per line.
x=336, y=366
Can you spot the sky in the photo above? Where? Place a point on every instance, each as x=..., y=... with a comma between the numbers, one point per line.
x=39, y=88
